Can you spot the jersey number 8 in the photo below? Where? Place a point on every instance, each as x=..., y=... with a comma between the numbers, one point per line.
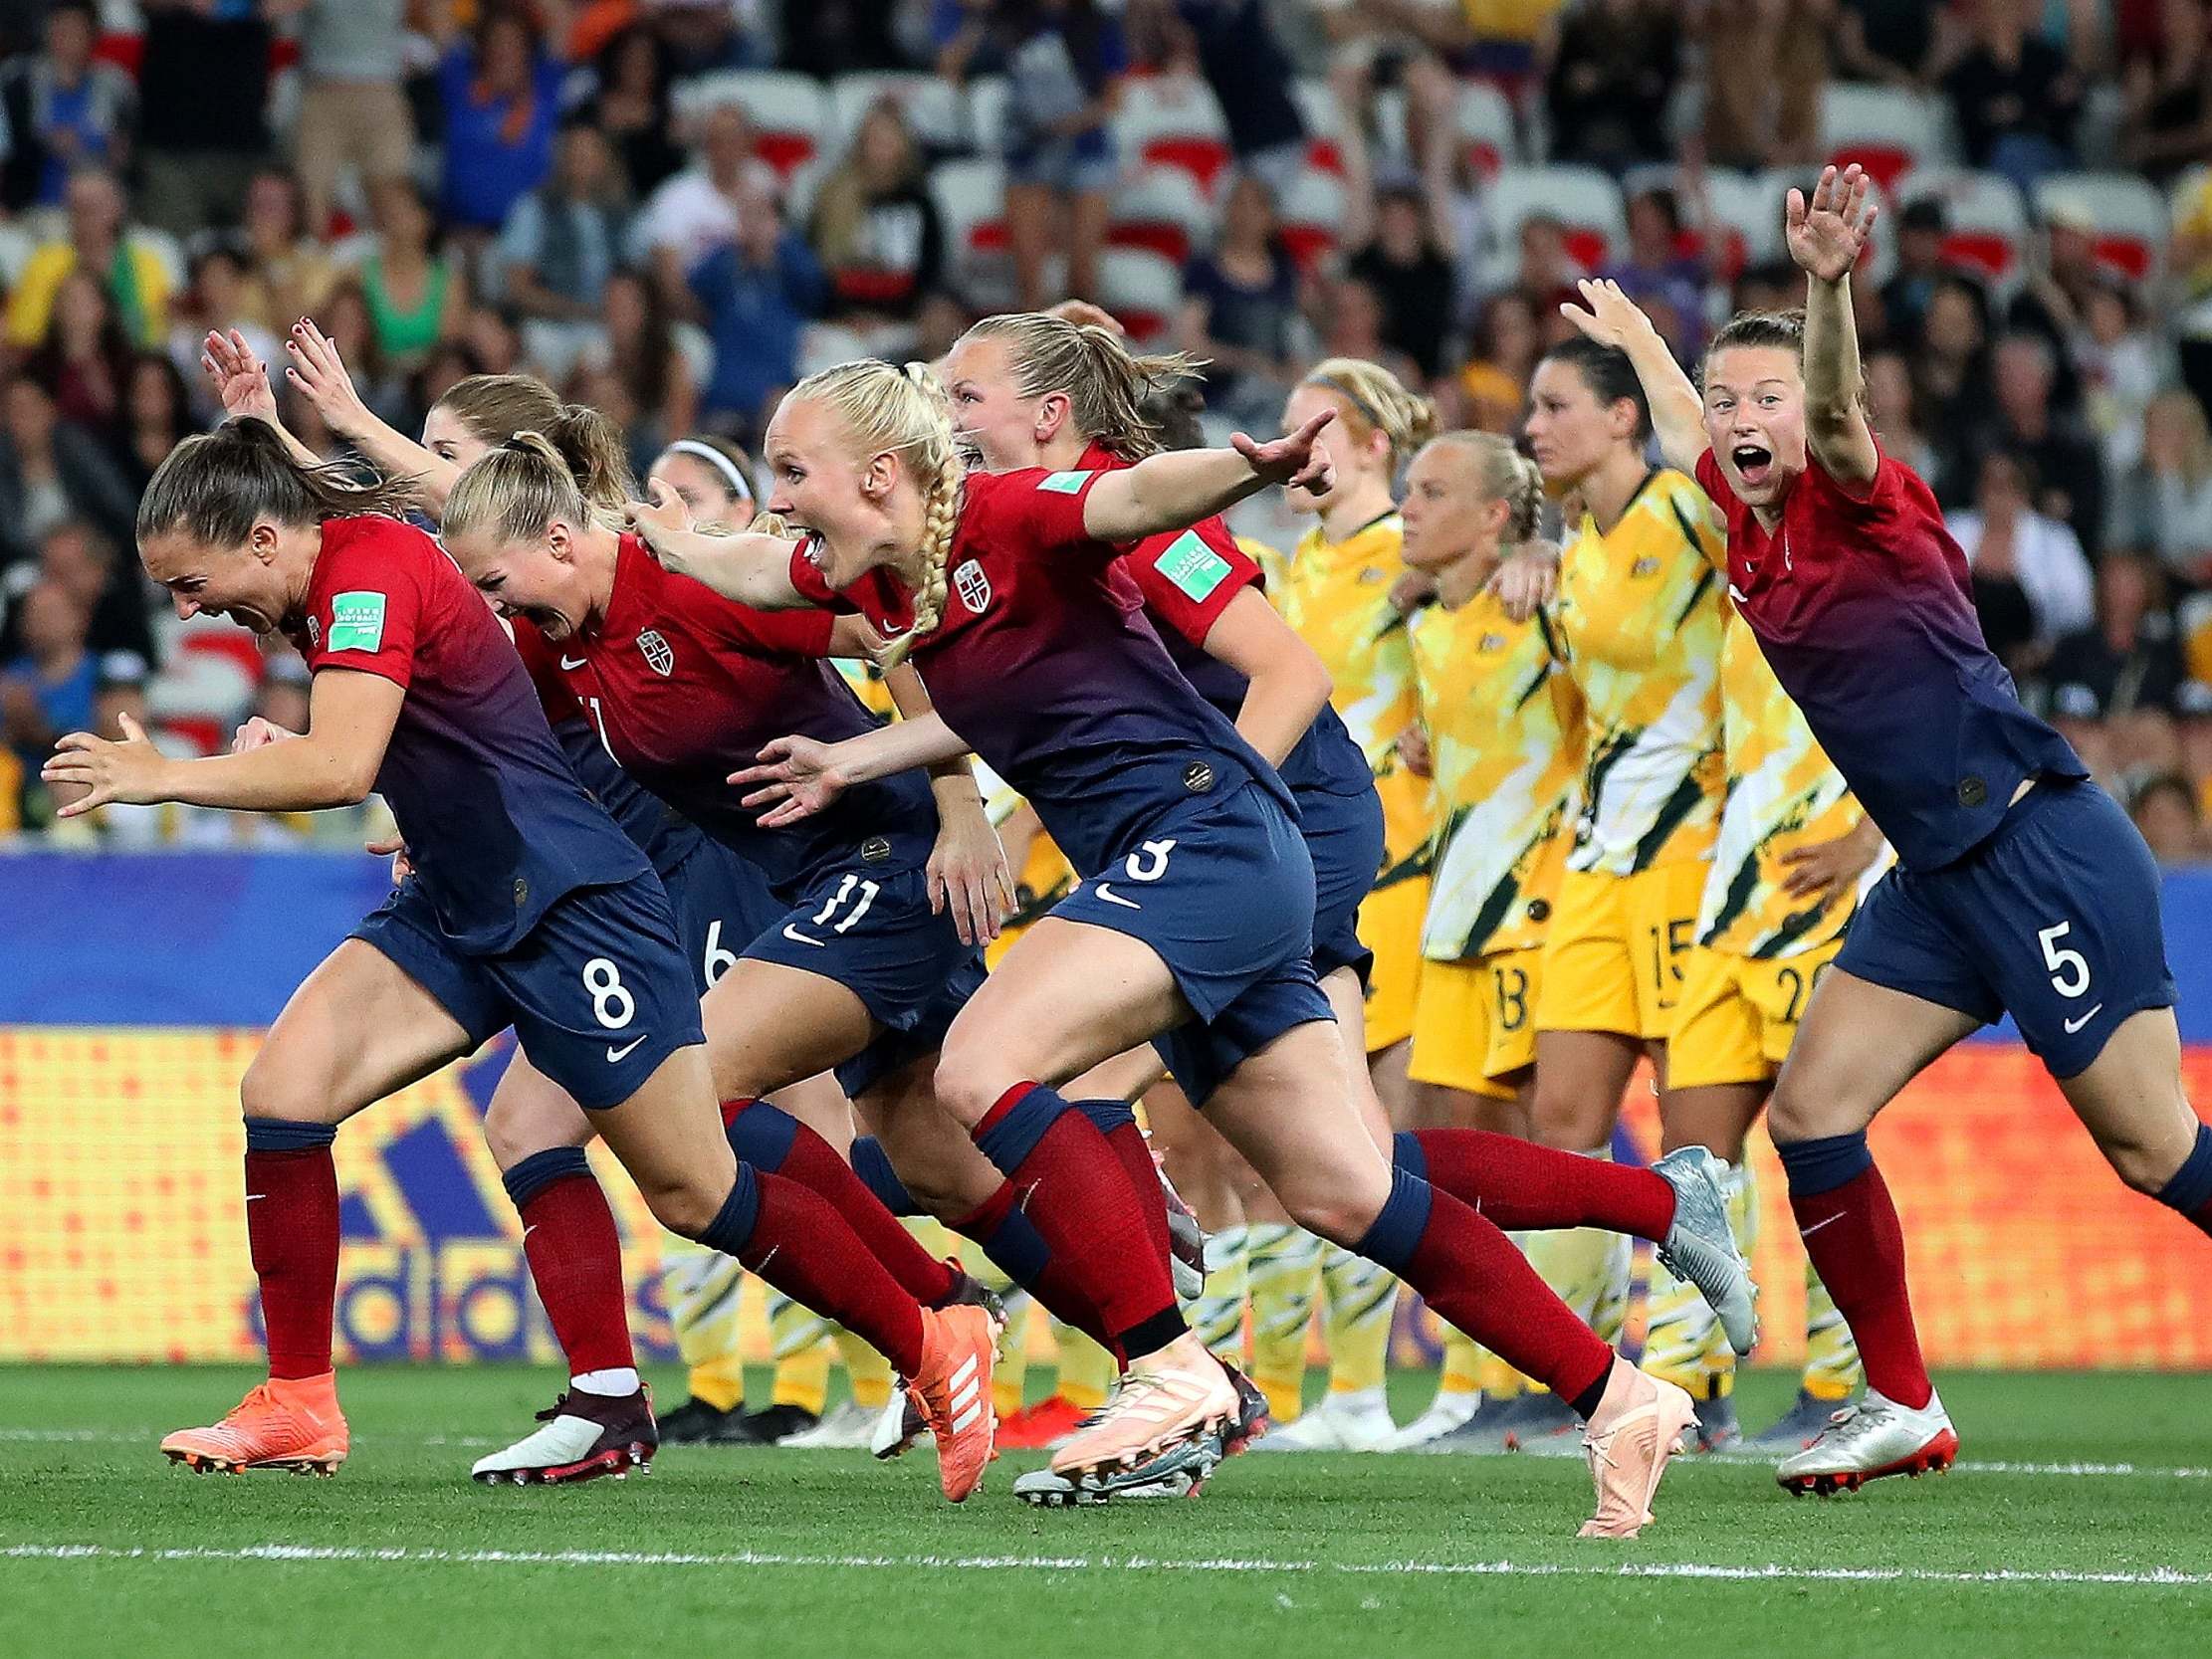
x=611, y=1004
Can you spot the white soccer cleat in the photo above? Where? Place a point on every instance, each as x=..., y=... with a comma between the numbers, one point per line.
x=1866, y=1441
x=897, y=1427
x=1355, y=1422
x=1445, y=1413
x=849, y=1428
x=584, y=1436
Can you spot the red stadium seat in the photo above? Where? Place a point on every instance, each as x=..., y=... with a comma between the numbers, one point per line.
x=1488, y=139
x=1161, y=209
x=1174, y=122
x=971, y=198
x=1888, y=131
x=792, y=117
x=1585, y=200
x=1310, y=217
x=1989, y=233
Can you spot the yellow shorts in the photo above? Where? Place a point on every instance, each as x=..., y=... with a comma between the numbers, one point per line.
x=1613, y=958
x=1390, y=926
x=1472, y=1022
x=1739, y=1015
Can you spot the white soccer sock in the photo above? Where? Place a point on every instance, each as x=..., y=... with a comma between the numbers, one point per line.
x=611, y=1384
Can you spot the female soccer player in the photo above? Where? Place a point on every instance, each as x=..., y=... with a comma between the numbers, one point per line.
x=1501, y=727
x=2021, y=887
x=527, y=906
x=712, y=476
x=1194, y=914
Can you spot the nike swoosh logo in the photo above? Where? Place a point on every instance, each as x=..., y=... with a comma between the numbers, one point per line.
x=797, y=938
x=2073, y=1026
x=532, y=1228
x=253, y=1196
x=616, y=1055
x=1738, y=595
x=578, y=663
x=1808, y=1232
x=1112, y=898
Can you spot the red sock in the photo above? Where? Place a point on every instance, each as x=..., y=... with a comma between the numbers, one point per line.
x=576, y=1261
x=1033, y=1269
x=801, y=1246
x=1521, y=1185
x=1078, y=1194
x=1128, y=1142
x=1852, y=1234
x=815, y=1164
x=292, y=1232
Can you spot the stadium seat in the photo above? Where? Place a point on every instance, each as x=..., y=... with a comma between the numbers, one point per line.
x=944, y=116
x=1747, y=220
x=1584, y=199
x=1989, y=230
x=1142, y=288
x=790, y=113
x=1319, y=107
x=1174, y=122
x=1885, y=129
x=1311, y=217
x=2133, y=222
x=1163, y=209
x=1488, y=139
x=972, y=198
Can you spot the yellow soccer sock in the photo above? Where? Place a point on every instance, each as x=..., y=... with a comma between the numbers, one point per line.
x=1217, y=1317
x=1358, y=1300
x=867, y=1372
x=796, y=1337
x=1500, y=1382
x=1282, y=1265
x=703, y=1288
x=1588, y=1268
x=1087, y=1372
x=1463, y=1360
x=1009, y=1384
x=719, y=1382
x=1832, y=1367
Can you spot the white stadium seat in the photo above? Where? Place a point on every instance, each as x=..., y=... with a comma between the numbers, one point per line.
x=1173, y=121
x=1142, y=288
x=1885, y=129
x=1163, y=209
x=1311, y=215
x=1584, y=199
x=790, y=113
x=1988, y=233
x=972, y=198
x=1489, y=138
x=2131, y=218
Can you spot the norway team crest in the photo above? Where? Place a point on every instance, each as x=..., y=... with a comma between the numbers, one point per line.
x=972, y=586
x=658, y=657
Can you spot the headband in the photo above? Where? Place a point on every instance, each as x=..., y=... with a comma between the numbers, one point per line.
x=721, y=462
x=1349, y=395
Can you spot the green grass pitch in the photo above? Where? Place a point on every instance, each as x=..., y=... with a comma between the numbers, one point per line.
x=2080, y=1523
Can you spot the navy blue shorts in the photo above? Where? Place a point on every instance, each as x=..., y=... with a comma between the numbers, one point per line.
x=598, y=992
x=1223, y=892
x=2053, y=919
x=722, y=904
x=874, y=933
x=1344, y=835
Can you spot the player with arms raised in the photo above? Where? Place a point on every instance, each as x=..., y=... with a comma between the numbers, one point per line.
x=2021, y=886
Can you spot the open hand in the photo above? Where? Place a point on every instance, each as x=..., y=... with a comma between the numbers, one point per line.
x=968, y=871
x=1612, y=317
x=240, y=379
x=1526, y=582
x=322, y=378
x=1827, y=235
x=796, y=779
x=1294, y=460
x=130, y=770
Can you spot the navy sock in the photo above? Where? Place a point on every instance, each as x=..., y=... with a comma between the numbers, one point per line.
x=1823, y=1165
x=2190, y=1190
x=281, y=1134
x=759, y=1134
x=541, y=1170
x=873, y=1165
x=731, y=1228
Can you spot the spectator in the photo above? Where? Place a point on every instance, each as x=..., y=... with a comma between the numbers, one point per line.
x=1922, y=229
x=630, y=106
x=2059, y=285
x=1766, y=64
x=48, y=689
x=2005, y=539
x=1952, y=363
x=2012, y=93
x=1490, y=42
x=203, y=95
x=51, y=471
x=2125, y=672
x=1397, y=243
x=415, y=291
x=876, y=229
x=939, y=321
x=2055, y=444
x=493, y=336
x=1673, y=288
x=1238, y=51
x=695, y=212
x=561, y=244
x=218, y=300
x=2170, y=818
x=755, y=296
x=2121, y=364
x=1353, y=319
x=501, y=94
x=352, y=110
x=289, y=273
x=77, y=558
x=1544, y=273
x=643, y=354
x=156, y=416
x=59, y=110
x=2163, y=506
x=836, y=37
x=706, y=35
x=1893, y=404
x=1240, y=309
x=84, y=357
x=2168, y=94
x=137, y=280
x=1493, y=386
x=1889, y=41
x=370, y=383
x=1616, y=65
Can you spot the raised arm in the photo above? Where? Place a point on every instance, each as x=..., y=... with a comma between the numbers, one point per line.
x=350, y=714
x=754, y=571
x=1170, y=492
x=323, y=380
x=241, y=382
x=1677, y=412
x=1826, y=237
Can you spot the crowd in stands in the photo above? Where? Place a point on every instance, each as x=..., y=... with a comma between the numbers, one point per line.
x=672, y=208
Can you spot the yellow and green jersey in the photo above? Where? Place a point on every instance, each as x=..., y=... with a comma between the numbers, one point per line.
x=1639, y=616
x=1504, y=725
x=1783, y=793
x=1336, y=595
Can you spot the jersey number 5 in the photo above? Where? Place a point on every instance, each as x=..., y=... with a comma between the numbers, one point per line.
x=2070, y=970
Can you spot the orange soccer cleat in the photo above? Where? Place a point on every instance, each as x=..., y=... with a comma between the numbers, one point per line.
x=283, y=1423
x=959, y=1350
x=1178, y=1393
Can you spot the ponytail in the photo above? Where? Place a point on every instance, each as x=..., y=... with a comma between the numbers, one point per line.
x=522, y=487
x=591, y=446
x=216, y=486
x=1502, y=474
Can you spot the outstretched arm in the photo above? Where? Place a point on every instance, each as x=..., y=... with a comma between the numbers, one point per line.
x=323, y=380
x=1174, y=491
x=1826, y=237
x=754, y=571
x=241, y=382
x=1677, y=412
x=800, y=776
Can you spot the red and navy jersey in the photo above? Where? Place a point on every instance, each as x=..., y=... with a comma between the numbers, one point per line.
x=684, y=686
x=1043, y=663
x=1863, y=607
x=497, y=825
x=1188, y=579
x=663, y=835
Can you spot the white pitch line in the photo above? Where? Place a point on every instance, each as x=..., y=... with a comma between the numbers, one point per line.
x=2156, y=1578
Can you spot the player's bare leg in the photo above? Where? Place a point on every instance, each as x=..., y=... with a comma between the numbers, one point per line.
x=356, y=1029
x=2131, y=1102
x=1857, y=1048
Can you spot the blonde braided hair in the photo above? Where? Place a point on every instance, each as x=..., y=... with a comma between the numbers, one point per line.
x=1502, y=474
x=902, y=412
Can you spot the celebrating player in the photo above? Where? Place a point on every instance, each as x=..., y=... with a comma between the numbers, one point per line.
x=2021, y=887
x=1194, y=917
x=527, y=906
